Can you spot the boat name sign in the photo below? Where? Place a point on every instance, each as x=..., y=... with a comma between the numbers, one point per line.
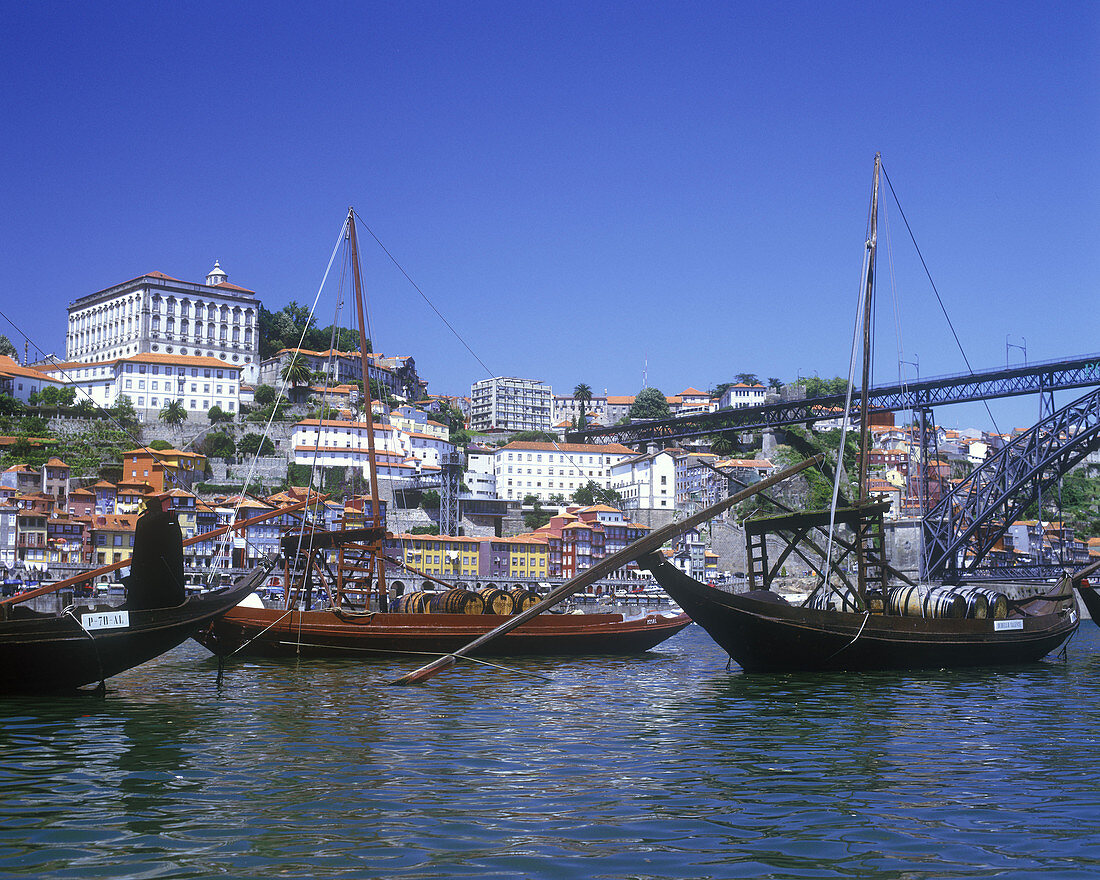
x=999, y=625
x=105, y=620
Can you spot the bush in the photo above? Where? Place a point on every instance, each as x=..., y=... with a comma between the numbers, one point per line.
x=255, y=444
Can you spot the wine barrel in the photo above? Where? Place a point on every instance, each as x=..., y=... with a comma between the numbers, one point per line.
x=998, y=603
x=522, y=598
x=936, y=602
x=411, y=603
x=458, y=601
x=977, y=604
x=496, y=601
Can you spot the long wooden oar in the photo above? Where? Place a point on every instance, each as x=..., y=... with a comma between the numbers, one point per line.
x=604, y=567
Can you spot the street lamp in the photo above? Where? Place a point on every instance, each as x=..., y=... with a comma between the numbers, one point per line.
x=1010, y=345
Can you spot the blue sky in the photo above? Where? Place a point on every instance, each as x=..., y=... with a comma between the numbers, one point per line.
x=585, y=191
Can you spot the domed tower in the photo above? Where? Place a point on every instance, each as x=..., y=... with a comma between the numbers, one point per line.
x=216, y=276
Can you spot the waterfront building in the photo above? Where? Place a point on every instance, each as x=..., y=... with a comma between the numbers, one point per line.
x=507, y=403
x=64, y=539
x=548, y=470
x=31, y=542
x=112, y=537
x=55, y=480
x=156, y=313
x=578, y=537
x=8, y=534
x=153, y=380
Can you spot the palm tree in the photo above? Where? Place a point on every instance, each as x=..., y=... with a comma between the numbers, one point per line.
x=583, y=395
x=296, y=371
x=174, y=414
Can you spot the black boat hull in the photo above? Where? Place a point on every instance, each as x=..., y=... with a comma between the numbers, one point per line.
x=765, y=635
x=53, y=652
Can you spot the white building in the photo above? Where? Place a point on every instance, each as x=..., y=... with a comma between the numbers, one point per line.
x=646, y=482
x=549, y=469
x=480, y=476
x=399, y=455
x=158, y=314
x=505, y=403
x=152, y=380
x=737, y=396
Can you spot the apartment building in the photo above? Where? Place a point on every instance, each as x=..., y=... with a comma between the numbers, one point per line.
x=507, y=403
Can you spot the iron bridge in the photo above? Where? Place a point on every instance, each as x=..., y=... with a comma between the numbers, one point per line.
x=1043, y=377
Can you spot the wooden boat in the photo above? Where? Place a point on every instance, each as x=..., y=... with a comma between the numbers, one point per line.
x=853, y=626
x=267, y=632
x=763, y=632
x=42, y=652
x=355, y=617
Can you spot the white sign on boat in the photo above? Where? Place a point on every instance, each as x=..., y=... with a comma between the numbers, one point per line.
x=105, y=620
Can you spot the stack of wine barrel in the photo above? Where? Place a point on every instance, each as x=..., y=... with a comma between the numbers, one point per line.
x=974, y=602
x=488, y=600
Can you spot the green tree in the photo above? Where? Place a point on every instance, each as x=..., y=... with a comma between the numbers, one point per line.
x=265, y=394
x=775, y=383
x=174, y=414
x=160, y=445
x=747, y=378
x=593, y=493
x=650, y=403
x=296, y=371
x=255, y=444
x=217, y=415
x=219, y=445
x=537, y=516
x=8, y=347
x=85, y=407
x=583, y=395
x=124, y=413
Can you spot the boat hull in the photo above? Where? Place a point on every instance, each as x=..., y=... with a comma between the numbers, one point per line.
x=263, y=632
x=42, y=653
x=765, y=635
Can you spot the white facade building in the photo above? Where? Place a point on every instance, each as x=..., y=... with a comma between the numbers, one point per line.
x=163, y=315
x=646, y=482
x=505, y=403
x=546, y=470
x=480, y=476
x=399, y=455
x=737, y=396
x=152, y=380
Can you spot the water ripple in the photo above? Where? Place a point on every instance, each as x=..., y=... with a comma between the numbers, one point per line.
x=667, y=765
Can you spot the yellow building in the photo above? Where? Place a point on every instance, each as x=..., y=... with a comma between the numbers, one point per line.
x=528, y=556
x=112, y=537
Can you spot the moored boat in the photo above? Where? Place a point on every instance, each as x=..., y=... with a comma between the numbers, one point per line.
x=862, y=622
x=49, y=652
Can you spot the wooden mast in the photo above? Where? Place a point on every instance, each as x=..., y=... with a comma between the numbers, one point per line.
x=864, y=426
x=368, y=407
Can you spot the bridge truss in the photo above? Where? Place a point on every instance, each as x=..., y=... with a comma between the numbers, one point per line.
x=968, y=521
x=1040, y=378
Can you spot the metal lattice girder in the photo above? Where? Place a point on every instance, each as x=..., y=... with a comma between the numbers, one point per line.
x=974, y=515
x=1079, y=372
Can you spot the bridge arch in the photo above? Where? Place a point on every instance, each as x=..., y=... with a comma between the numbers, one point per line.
x=969, y=520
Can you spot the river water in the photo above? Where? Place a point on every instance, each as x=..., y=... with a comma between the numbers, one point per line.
x=665, y=765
